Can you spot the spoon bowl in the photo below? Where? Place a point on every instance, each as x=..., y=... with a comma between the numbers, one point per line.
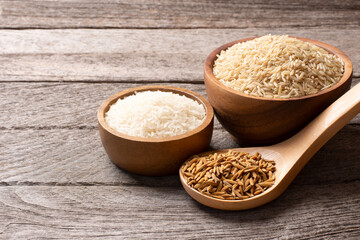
x=291, y=155
x=255, y=201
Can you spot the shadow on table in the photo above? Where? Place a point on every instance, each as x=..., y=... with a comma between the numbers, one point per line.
x=218, y=142
x=332, y=175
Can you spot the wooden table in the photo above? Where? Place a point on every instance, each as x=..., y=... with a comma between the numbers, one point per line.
x=59, y=60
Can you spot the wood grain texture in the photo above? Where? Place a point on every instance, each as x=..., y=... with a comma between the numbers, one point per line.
x=55, y=178
x=76, y=157
x=143, y=212
x=60, y=105
x=255, y=122
x=177, y=14
x=53, y=104
x=135, y=55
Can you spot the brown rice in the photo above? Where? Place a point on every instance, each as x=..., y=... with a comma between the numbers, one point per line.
x=277, y=67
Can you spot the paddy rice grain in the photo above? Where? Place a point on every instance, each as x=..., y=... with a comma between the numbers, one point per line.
x=232, y=175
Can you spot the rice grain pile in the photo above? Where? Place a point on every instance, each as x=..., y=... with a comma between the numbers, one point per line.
x=277, y=66
x=230, y=176
x=155, y=114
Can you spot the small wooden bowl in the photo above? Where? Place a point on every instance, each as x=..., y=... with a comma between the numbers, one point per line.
x=154, y=156
x=263, y=121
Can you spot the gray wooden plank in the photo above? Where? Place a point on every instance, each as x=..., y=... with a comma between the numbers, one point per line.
x=143, y=212
x=129, y=55
x=66, y=156
x=177, y=14
x=76, y=157
x=65, y=105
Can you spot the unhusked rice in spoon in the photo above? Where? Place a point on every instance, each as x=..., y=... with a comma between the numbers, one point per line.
x=155, y=114
x=277, y=66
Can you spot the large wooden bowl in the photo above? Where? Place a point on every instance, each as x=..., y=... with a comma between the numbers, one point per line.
x=154, y=156
x=263, y=121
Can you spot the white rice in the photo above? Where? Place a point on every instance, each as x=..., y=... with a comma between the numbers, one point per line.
x=155, y=114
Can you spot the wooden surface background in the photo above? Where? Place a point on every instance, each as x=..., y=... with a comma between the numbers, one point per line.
x=59, y=60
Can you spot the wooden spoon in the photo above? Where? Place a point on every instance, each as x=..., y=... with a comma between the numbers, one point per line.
x=290, y=155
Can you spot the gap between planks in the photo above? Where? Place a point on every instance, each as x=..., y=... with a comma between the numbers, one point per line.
x=297, y=26
x=140, y=82
x=40, y=128
x=143, y=184
x=107, y=81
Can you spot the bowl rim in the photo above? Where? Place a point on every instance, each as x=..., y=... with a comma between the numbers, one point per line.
x=209, y=75
x=181, y=91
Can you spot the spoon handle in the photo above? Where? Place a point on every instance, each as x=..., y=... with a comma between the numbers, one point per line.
x=309, y=140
